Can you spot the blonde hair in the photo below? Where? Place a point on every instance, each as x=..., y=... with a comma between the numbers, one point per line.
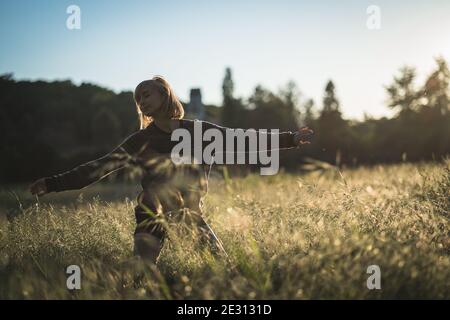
x=174, y=108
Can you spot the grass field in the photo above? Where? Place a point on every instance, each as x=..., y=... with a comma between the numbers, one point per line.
x=288, y=236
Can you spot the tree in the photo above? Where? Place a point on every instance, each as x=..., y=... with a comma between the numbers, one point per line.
x=332, y=130
x=402, y=93
x=232, y=108
x=309, y=114
x=330, y=102
x=290, y=96
x=436, y=88
x=434, y=117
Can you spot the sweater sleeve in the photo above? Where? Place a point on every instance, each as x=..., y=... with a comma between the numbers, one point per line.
x=92, y=171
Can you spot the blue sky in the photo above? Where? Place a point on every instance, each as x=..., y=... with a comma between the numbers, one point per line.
x=123, y=42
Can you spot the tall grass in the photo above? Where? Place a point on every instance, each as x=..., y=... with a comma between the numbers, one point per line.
x=288, y=236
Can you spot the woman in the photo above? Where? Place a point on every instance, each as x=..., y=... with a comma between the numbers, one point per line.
x=170, y=192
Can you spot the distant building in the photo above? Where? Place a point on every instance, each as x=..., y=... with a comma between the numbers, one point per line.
x=195, y=107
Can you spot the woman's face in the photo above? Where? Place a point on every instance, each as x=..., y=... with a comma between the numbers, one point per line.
x=150, y=100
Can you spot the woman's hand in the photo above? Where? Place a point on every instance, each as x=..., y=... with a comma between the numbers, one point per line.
x=38, y=187
x=303, y=136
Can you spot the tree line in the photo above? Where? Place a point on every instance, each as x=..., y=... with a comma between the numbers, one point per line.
x=419, y=131
x=48, y=127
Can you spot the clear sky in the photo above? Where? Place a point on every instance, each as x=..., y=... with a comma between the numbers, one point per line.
x=264, y=42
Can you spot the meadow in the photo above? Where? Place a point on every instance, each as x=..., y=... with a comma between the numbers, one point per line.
x=305, y=236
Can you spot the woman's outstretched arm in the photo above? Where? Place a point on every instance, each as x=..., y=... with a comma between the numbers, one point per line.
x=92, y=171
x=287, y=139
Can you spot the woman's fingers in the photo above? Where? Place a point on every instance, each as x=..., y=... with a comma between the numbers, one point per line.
x=303, y=135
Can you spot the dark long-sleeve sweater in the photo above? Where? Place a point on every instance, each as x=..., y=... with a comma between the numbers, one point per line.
x=164, y=183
